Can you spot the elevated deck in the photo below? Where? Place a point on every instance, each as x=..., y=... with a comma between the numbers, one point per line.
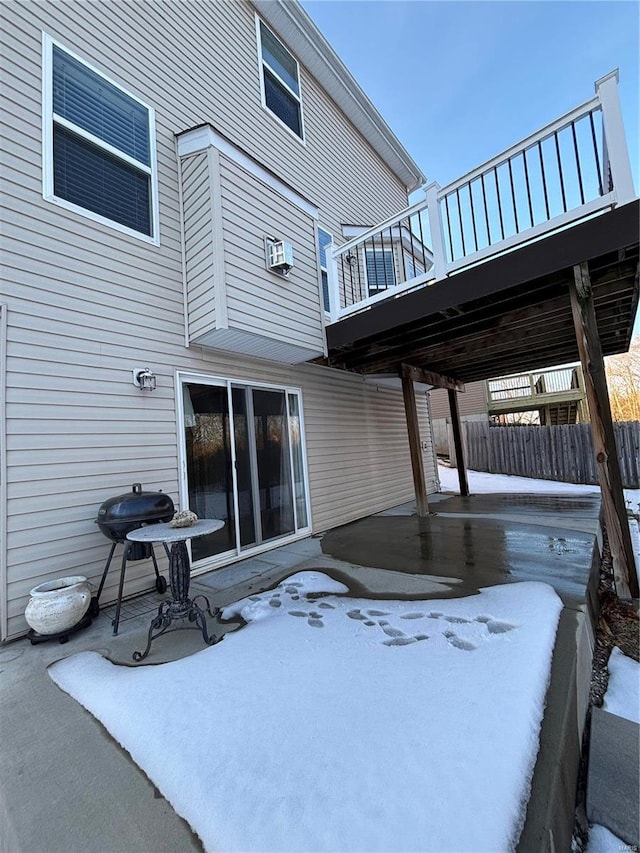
x=511, y=313
x=473, y=282
x=557, y=395
x=527, y=262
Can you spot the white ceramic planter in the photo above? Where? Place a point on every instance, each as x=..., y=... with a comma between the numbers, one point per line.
x=56, y=606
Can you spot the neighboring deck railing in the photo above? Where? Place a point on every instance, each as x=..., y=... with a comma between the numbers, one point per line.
x=573, y=168
x=537, y=388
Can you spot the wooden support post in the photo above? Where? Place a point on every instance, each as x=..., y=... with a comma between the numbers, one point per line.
x=457, y=442
x=413, y=429
x=604, y=443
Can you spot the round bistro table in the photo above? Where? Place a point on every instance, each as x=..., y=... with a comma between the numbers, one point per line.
x=179, y=606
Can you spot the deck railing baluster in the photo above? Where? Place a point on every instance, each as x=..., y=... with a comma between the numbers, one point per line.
x=446, y=204
x=577, y=155
x=486, y=212
x=473, y=218
x=422, y=243
x=564, y=197
x=513, y=196
x=495, y=174
x=464, y=251
x=544, y=180
x=528, y=186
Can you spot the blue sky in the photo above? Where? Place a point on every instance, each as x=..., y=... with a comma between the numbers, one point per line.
x=458, y=82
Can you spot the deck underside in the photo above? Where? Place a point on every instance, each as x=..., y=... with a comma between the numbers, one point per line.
x=506, y=315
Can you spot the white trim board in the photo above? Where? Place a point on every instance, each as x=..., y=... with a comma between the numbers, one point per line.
x=202, y=137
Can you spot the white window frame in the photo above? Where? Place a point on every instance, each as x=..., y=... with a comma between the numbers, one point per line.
x=48, y=121
x=385, y=249
x=324, y=269
x=262, y=64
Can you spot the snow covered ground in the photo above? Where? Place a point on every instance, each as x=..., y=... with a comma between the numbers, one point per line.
x=342, y=724
x=481, y=483
x=623, y=693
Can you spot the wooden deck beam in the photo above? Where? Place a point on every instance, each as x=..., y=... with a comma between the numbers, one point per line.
x=429, y=377
x=604, y=443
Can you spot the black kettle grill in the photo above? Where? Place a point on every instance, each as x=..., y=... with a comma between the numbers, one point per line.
x=120, y=515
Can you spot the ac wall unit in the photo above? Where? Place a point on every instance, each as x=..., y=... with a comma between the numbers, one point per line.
x=279, y=256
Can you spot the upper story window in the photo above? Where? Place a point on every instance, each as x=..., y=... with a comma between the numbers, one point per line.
x=380, y=268
x=99, y=147
x=280, y=80
x=324, y=240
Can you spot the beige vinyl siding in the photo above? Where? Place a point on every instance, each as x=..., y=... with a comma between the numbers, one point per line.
x=259, y=301
x=357, y=446
x=199, y=63
x=67, y=457
x=87, y=303
x=198, y=243
x=472, y=401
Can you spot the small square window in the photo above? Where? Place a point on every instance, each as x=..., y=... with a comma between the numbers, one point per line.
x=280, y=80
x=99, y=155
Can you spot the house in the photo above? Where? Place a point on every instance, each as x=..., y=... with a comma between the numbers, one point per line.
x=173, y=176
x=214, y=284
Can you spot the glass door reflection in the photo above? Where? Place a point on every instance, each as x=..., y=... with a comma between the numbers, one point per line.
x=209, y=465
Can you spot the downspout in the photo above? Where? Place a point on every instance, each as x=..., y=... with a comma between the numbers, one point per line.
x=4, y=614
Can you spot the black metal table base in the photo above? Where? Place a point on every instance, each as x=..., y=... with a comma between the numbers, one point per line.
x=180, y=607
x=172, y=610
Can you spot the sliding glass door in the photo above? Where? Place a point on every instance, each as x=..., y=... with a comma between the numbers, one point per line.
x=209, y=464
x=273, y=463
x=244, y=463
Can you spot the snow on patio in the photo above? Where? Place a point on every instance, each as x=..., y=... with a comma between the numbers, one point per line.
x=482, y=483
x=334, y=723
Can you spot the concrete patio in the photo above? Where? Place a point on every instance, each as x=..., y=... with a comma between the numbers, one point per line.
x=65, y=785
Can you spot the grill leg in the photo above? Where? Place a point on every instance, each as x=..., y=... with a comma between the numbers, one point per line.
x=155, y=562
x=106, y=569
x=125, y=554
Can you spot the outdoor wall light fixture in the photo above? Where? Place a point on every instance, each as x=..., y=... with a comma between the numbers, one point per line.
x=144, y=378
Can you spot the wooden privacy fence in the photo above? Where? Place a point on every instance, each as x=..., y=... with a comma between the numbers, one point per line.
x=563, y=453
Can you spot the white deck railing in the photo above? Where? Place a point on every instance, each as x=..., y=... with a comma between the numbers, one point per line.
x=573, y=168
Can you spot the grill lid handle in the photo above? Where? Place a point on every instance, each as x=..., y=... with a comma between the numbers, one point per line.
x=137, y=488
